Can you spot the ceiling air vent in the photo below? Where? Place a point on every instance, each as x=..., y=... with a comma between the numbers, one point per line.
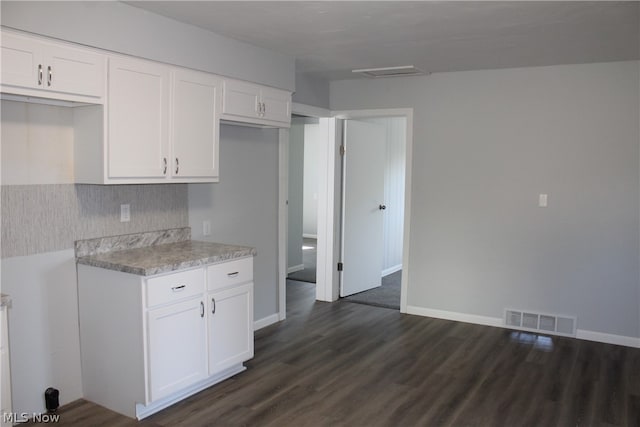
x=401, y=71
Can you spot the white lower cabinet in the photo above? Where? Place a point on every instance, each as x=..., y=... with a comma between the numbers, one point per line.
x=177, y=347
x=230, y=321
x=149, y=342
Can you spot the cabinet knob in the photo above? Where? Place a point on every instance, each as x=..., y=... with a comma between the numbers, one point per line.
x=49, y=75
x=213, y=304
x=177, y=165
x=382, y=207
x=39, y=74
x=164, y=160
x=201, y=309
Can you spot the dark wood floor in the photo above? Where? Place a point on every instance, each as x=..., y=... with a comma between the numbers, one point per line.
x=345, y=364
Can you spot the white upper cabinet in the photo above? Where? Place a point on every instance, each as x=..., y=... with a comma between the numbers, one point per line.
x=138, y=119
x=21, y=62
x=252, y=103
x=276, y=105
x=162, y=124
x=31, y=67
x=75, y=71
x=135, y=121
x=240, y=99
x=195, y=112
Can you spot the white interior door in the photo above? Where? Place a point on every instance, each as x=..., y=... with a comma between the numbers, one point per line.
x=363, y=207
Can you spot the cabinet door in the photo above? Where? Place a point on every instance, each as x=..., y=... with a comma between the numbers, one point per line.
x=177, y=347
x=138, y=119
x=74, y=71
x=240, y=99
x=277, y=105
x=230, y=327
x=195, y=124
x=21, y=62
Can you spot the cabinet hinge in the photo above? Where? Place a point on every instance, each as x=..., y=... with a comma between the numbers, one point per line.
x=342, y=150
x=340, y=266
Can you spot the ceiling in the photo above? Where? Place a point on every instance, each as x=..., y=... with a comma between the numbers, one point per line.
x=330, y=38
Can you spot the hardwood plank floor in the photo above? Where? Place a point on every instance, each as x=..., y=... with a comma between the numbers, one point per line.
x=345, y=364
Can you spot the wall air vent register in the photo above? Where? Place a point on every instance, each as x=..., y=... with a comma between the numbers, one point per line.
x=540, y=322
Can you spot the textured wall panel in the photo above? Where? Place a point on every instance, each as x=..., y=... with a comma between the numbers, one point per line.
x=45, y=218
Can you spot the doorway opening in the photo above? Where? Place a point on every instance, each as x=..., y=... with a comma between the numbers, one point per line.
x=305, y=143
x=329, y=242
x=373, y=210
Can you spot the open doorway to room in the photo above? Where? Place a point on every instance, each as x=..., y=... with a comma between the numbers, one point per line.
x=330, y=251
x=373, y=203
x=305, y=141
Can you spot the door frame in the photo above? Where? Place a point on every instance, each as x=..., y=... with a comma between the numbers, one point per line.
x=283, y=210
x=329, y=202
x=407, y=113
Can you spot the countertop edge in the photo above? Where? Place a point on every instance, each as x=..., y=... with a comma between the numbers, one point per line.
x=152, y=271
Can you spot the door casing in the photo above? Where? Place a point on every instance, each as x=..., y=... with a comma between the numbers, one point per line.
x=329, y=204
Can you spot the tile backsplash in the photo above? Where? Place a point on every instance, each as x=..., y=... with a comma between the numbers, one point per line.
x=47, y=218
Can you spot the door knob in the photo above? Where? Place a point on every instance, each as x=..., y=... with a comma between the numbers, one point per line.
x=382, y=207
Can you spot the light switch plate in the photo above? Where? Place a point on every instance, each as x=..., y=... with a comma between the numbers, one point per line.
x=125, y=213
x=542, y=200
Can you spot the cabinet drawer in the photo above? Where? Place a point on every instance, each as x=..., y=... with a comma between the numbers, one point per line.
x=229, y=273
x=174, y=287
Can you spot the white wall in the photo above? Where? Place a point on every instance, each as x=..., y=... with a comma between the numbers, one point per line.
x=486, y=143
x=243, y=206
x=37, y=144
x=43, y=213
x=311, y=90
x=296, y=192
x=43, y=328
x=312, y=146
x=123, y=28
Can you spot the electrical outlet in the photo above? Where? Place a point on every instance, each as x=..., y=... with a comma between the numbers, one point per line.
x=206, y=228
x=125, y=213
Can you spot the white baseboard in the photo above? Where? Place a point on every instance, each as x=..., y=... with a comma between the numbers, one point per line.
x=309, y=236
x=266, y=321
x=499, y=322
x=452, y=315
x=608, y=338
x=391, y=270
x=295, y=268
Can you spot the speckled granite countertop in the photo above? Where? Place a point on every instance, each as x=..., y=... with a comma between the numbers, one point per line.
x=160, y=256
